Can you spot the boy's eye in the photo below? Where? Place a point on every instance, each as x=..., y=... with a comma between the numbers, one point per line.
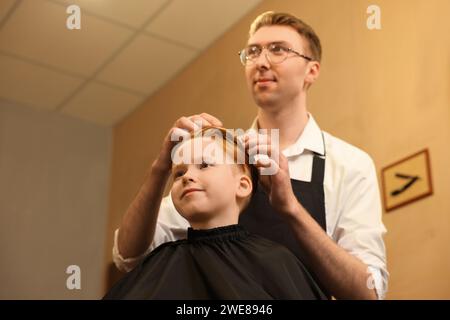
x=206, y=164
x=177, y=174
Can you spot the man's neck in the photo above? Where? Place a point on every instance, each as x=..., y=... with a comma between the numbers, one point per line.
x=290, y=119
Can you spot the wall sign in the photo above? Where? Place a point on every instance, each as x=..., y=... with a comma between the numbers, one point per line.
x=406, y=180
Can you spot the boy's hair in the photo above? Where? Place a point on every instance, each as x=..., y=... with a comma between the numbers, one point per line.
x=235, y=148
x=271, y=18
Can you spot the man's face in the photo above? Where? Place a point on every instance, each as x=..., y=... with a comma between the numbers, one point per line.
x=205, y=186
x=274, y=84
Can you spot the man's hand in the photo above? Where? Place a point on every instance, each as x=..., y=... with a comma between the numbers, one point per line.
x=274, y=172
x=182, y=127
x=344, y=275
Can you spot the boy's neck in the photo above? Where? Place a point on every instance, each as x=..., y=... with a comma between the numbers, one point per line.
x=216, y=221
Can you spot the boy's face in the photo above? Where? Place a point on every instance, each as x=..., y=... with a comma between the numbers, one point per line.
x=206, y=187
x=272, y=83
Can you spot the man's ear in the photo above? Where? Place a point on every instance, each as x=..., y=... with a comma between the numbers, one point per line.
x=245, y=187
x=312, y=74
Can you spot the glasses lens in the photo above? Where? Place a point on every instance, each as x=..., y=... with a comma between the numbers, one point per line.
x=277, y=53
x=253, y=52
x=249, y=54
x=243, y=57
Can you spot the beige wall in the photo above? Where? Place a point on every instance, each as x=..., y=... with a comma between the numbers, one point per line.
x=385, y=91
x=53, y=203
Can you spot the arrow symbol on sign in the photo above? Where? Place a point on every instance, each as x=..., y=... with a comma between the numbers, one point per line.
x=412, y=180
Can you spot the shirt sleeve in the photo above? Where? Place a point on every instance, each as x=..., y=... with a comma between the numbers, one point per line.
x=360, y=228
x=171, y=226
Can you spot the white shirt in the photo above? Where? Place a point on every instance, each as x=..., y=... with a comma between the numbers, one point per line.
x=352, y=203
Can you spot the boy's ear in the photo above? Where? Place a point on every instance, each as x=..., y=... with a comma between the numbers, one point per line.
x=244, y=188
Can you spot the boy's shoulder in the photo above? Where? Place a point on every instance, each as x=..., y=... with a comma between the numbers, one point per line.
x=166, y=246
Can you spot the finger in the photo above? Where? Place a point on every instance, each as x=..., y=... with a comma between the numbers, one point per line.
x=269, y=150
x=262, y=161
x=254, y=140
x=260, y=146
x=267, y=167
x=211, y=119
x=241, y=140
x=260, y=150
x=186, y=123
x=199, y=121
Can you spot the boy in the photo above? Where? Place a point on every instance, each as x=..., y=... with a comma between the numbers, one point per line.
x=219, y=259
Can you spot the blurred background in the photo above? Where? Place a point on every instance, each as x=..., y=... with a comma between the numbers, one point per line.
x=83, y=113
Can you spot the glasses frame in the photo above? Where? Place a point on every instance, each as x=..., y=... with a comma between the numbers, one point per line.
x=243, y=56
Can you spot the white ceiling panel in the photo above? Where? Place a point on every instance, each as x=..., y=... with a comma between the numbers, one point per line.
x=124, y=52
x=132, y=12
x=199, y=22
x=37, y=30
x=34, y=85
x=146, y=64
x=101, y=104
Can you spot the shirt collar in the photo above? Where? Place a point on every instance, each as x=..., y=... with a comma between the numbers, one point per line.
x=311, y=139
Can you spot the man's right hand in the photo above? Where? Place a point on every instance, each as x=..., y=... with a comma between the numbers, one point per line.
x=183, y=126
x=138, y=226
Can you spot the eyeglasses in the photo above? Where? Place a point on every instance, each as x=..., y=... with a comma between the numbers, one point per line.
x=276, y=53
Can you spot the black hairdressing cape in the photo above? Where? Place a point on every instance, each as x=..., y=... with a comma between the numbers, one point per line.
x=221, y=263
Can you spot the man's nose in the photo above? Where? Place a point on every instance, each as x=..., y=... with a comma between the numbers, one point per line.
x=262, y=61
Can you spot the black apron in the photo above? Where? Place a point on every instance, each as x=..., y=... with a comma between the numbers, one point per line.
x=260, y=218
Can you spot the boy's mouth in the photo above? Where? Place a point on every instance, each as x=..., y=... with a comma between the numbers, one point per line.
x=189, y=191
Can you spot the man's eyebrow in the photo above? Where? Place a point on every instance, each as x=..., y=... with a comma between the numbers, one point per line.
x=271, y=42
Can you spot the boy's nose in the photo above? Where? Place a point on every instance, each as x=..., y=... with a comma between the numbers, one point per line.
x=188, y=177
x=186, y=180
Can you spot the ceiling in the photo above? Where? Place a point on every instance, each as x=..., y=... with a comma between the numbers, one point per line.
x=123, y=53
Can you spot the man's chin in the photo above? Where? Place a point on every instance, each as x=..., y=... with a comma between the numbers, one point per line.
x=265, y=100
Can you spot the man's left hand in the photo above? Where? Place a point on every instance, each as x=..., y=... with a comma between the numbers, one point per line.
x=274, y=172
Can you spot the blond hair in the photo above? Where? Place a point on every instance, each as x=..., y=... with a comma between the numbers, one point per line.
x=233, y=147
x=271, y=18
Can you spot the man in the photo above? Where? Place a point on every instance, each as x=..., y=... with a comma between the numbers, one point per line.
x=323, y=203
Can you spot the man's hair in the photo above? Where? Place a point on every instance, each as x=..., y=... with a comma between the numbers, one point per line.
x=271, y=18
x=234, y=148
